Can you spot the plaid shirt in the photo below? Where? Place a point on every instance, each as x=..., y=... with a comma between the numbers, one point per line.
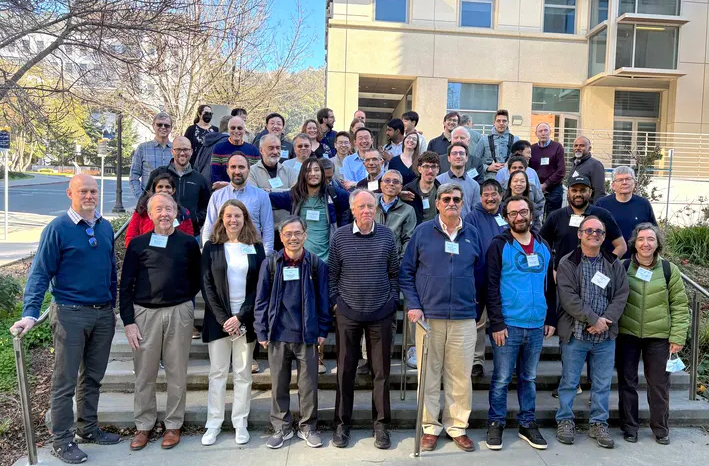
x=76, y=218
x=592, y=295
x=147, y=157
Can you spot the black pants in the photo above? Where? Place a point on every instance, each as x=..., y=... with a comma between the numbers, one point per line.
x=553, y=198
x=655, y=352
x=82, y=344
x=378, y=337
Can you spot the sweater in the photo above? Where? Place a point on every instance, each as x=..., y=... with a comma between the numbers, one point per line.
x=196, y=135
x=592, y=168
x=486, y=224
x=628, y=214
x=553, y=170
x=222, y=153
x=141, y=224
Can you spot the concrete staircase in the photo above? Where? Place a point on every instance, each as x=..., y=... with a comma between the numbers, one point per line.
x=116, y=404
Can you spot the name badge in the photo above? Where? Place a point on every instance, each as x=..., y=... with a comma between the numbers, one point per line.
x=575, y=174
x=291, y=273
x=472, y=173
x=373, y=185
x=275, y=182
x=452, y=248
x=575, y=220
x=158, y=241
x=284, y=154
x=644, y=274
x=600, y=280
x=545, y=161
x=175, y=223
x=313, y=215
x=248, y=249
x=532, y=260
x=426, y=204
x=500, y=221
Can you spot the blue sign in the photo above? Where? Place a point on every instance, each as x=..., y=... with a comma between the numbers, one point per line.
x=4, y=139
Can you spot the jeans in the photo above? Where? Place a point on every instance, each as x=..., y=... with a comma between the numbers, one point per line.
x=553, y=199
x=521, y=349
x=601, y=359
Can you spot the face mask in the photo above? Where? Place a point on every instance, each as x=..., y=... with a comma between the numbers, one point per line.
x=207, y=117
x=674, y=365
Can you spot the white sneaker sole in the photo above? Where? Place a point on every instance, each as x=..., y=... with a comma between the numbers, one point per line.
x=307, y=441
x=532, y=444
x=287, y=437
x=493, y=447
x=208, y=442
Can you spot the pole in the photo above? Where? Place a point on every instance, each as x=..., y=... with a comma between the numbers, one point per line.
x=421, y=390
x=694, y=351
x=404, y=337
x=103, y=159
x=669, y=181
x=23, y=387
x=118, y=206
x=7, y=195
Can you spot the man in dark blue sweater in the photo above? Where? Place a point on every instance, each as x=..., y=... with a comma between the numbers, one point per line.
x=76, y=255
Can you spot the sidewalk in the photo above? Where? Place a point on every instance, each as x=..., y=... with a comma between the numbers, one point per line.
x=24, y=232
x=688, y=448
x=35, y=180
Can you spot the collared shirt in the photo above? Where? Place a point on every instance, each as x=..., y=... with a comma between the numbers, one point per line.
x=353, y=168
x=395, y=149
x=76, y=218
x=470, y=187
x=453, y=234
x=544, y=145
x=147, y=157
x=292, y=262
x=593, y=296
x=386, y=206
x=439, y=145
x=355, y=228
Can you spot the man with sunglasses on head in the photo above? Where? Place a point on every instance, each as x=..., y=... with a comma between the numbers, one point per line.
x=76, y=255
x=150, y=155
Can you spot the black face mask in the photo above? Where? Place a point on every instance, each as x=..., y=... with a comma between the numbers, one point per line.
x=206, y=117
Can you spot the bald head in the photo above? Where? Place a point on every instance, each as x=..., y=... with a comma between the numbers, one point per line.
x=181, y=152
x=543, y=132
x=236, y=130
x=460, y=134
x=582, y=147
x=83, y=192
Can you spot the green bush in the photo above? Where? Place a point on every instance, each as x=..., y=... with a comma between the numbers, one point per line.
x=690, y=243
x=10, y=290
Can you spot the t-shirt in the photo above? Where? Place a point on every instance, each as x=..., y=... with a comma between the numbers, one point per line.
x=430, y=213
x=628, y=214
x=528, y=248
x=318, y=240
x=237, y=262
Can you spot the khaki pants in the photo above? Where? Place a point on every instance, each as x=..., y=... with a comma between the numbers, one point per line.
x=450, y=358
x=481, y=340
x=167, y=335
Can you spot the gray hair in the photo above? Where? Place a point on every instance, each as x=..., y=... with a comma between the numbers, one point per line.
x=264, y=139
x=464, y=119
x=162, y=116
x=623, y=170
x=374, y=149
x=358, y=191
x=292, y=219
x=396, y=172
x=224, y=124
x=161, y=196
x=542, y=123
x=302, y=136
x=646, y=226
x=465, y=132
x=448, y=188
x=327, y=163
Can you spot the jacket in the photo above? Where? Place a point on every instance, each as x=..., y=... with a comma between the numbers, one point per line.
x=502, y=146
x=568, y=286
x=519, y=295
x=285, y=145
x=141, y=224
x=337, y=205
x=443, y=285
x=417, y=203
x=485, y=224
x=655, y=310
x=258, y=176
x=215, y=291
x=203, y=162
x=401, y=220
x=315, y=308
x=593, y=169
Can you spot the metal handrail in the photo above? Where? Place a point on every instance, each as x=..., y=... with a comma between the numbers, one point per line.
x=694, y=329
x=421, y=385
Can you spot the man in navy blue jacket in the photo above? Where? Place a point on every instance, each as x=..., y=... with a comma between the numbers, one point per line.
x=442, y=281
x=521, y=306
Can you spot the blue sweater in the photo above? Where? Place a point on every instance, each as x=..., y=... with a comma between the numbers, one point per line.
x=485, y=224
x=79, y=274
x=443, y=285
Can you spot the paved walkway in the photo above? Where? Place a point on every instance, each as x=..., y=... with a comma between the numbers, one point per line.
x=35, y=180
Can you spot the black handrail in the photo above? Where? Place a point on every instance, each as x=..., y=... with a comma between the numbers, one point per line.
x=695, y=306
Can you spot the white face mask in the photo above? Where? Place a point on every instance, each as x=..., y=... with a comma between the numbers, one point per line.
x=674, y=365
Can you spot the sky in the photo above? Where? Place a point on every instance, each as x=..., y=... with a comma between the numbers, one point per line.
x=314, y=12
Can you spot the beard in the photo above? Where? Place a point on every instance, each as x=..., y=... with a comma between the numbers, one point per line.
x=520, y=227
x=578, y=203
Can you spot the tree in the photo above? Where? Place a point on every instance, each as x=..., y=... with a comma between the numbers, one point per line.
x=93, y=128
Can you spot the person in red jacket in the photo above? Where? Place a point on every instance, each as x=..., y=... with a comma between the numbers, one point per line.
x=140, y=223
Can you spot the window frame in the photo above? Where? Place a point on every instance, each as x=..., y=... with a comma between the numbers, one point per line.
x=559, y=7
x=675, y=57
x=492, y=13
x=406, y=12
x=471, y=111
x=595, y=7
x=678, y=3
x=557, y=112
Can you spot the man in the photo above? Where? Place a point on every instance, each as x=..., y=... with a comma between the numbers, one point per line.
x=549, y=162
x=560, y=229
x=343, y=149
x=424, y=187
x=520, y=149
x=411, y=120
x=240, y=112
x=255, y=199
x=291, y=318
x=585, y=164
x=353, y=168
x=593, y=290
x=373, y=163
x=333, y=186
x=326, y=120
x=442, y=281
x=159, y=279
x=275, y=123
x=150, y=155
x=467, y=123
x=441, y=143
x=204, y=159
x=496, y=147
x=627, y=209
x=474, y=165
x=486, y=217
x=363, y=280
x=75, y=254
x=395, y=134
x=360, y=115
x=398, y=216
x=521, y=306
x=223, y=150
x=457, y=158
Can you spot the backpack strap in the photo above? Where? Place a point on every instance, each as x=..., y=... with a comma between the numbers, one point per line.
x=510, y=142
x=491, y=142
x=314, y=270
x=272, y=267
x=667, y=271
x=626, y=264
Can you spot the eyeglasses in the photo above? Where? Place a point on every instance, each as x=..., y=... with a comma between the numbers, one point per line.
x=515, y=213
x=293, y=234
x=591, y=231
x=427, y=167
x=342, y=143
x=163, y=125
x=303, y=146
x=395, y=182
x=623, y=180
x=92, y=239
x=458, y=154
x=448, y=199
x=182, y=151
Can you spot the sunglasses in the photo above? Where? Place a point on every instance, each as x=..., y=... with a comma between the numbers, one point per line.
x=448, y=199
x=591, y=231
x=92, y=238
x=163, y=125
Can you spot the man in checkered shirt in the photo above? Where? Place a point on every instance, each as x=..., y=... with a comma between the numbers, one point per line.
x=152, y=154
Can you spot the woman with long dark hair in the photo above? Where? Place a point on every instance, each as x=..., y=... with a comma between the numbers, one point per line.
x=407, y=162
x=201, y=127
x=518, y=185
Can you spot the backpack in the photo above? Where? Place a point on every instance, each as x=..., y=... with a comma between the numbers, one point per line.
x=510, y=141
x=666, y=270
x=313, y=269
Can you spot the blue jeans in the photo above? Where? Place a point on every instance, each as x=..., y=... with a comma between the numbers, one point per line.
x=522, y=349
x=601, y=360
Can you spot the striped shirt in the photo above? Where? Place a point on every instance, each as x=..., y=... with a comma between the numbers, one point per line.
x=147, y=157
x=76, y=218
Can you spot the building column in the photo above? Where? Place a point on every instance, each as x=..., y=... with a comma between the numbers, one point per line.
x=430, y=96
x=342, y=97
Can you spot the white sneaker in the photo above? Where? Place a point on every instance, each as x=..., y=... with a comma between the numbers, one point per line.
x=210, y=436
x=242, y=436
x=411, y=358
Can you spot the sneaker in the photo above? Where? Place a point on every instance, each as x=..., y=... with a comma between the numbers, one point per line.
x=97, y=436
x=161, y=366
x=311, y=437
x=600, y=433
x=630, y=437
x=478, y=371
x=579, y=391
x=241, y=436
x=411, y=358
x=533, y=437
x=69, y=453
x=341, y=436
x=663, y=440
x=321, y=365
x=210, y=436
x=565, y=432
x=255, y=369
x=494, y=435
x=381, y=439
x=555, y=392
x=276, y=440
x=363, y=367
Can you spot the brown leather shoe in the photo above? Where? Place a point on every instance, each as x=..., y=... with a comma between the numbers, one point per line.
x=140, y=439
x=428, y=442
x=464, y=443
x=171, y=438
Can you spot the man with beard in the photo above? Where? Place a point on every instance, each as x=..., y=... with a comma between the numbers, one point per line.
x=223, y=151
x=423, y=189
x=521, y=306
x=326, y=120
x=585, y=164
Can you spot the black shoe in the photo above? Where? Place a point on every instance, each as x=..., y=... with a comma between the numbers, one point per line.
x=97, y=436
x=341, y=436
x=69, y=453
x=478, y=371
x=533, y=437
x=555, y=393
x=494, y=435
x=630, y=437
x=663, y=440
x=381, y=439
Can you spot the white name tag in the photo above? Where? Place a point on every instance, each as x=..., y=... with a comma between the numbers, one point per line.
x=291, y=273
x=532, y=260
x=500, y=221
x=175, y=223
x=600, y=280
x=644, y=274
x=284, y=154
x=275, y=182
x=472, y=173
x=373, y=185
x=313, y=215
x=575, y=174
x=426, y=204
x=545, y=161
x=248, y=249
x=452, y=248
x=158, y=241
x=575, y=220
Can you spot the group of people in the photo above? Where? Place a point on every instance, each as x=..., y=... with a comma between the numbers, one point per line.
x=290, y=241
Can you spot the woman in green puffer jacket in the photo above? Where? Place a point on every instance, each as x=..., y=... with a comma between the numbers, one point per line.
x=654, y=325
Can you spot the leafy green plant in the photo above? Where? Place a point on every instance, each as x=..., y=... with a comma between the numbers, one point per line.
x=10, y=290
x=689, y=243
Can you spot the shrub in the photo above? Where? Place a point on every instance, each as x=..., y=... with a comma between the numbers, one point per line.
x=10, y=291
x=690, y=243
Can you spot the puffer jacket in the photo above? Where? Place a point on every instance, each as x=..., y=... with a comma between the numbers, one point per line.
x=655, y=310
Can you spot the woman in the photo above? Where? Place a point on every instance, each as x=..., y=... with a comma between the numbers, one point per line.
x=354, y=126
x=140, y=223
x=518, y=185
x=231, y=261
x=408, y=160
x=654, y=325
x=196, y=132
x=312, y=129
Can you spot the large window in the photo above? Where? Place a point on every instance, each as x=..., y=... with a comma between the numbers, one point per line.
x=597, y=53
x=649, y=7
x=637, y=104
x=599, y=12
x=560, y=16
x=477, y=100
x=553, y=100
x=476, y=13
x=391, y=10
x=637, y=116
x=645, y=46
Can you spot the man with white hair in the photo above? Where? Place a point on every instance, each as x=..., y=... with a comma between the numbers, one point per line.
x=474, y=165
x=152, y=154
x=225, y=149
x=549, y=162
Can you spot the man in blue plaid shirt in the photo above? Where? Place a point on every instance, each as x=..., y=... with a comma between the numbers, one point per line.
x=152, y=154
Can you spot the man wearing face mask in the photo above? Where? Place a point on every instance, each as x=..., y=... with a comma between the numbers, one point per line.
x=223, y=150
x=275, y=125
x=586, y=165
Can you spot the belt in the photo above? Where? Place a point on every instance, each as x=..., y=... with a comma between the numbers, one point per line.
x=92, y=306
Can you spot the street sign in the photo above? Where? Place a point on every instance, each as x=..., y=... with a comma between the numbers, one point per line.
x=4, y=138
x=102, y=147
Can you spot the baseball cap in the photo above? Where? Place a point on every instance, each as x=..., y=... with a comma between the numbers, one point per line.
x=580, y=180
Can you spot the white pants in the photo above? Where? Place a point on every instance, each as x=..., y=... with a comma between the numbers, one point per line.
x=222, y=352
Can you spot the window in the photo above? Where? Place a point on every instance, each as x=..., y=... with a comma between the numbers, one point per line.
x=645, y=46
x=597, y=53
x=479, y=101
x=637, y=104
x=599, y=12
x=391, y=10
x=649, y=7
x=560, y=16
x=547, y=99
x=476, y=14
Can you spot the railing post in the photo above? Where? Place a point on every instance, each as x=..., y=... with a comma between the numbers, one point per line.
x=669, y=187
x=404, y=335
x=422, y=364
x=24, y=389
x=694, y=353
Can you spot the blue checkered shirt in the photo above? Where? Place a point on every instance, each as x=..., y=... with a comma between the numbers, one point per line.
x=76, y=218
x=147, y=157
x=592, y=295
